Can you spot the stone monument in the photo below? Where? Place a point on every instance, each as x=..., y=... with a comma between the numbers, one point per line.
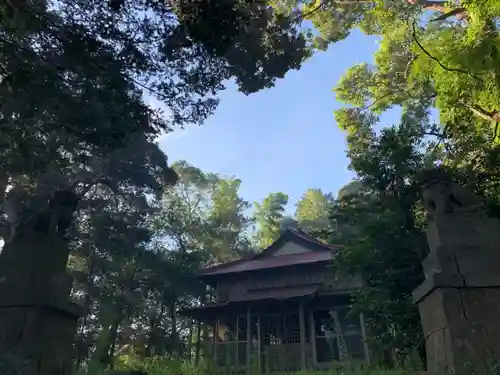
x=37, y=320
x=459, y=301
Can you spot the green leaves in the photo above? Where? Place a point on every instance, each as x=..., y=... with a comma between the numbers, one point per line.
x=80, y=69
x=312, y=211
x=268, y=216
x=377, y=220
x=449, y=66
x=204, y=213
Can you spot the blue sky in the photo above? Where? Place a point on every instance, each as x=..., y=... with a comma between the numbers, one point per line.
x=280, y=139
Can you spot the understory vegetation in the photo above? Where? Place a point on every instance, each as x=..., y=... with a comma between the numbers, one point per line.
x=168, y=366
x=73, y=116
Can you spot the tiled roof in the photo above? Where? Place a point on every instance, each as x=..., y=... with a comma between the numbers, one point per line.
x=321, y=253
x=256, y=295
x=271, y=262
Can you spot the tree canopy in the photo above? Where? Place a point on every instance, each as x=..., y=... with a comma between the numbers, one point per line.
x=102, y=57
x=79, y=83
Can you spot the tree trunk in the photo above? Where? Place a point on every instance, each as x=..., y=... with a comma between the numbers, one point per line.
x=98, y=358
x=190, y=341
x=205, y=339
x=174, y=336
x=113, y=337
x=198, y=344
x=387, y=359
x=106, y=341
x=87, y=303
x=153, y=328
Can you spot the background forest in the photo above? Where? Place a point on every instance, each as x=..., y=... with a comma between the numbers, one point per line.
x=72, y=116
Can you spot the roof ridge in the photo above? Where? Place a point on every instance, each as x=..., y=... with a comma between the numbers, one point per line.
x=311, y=238
x=261, y=256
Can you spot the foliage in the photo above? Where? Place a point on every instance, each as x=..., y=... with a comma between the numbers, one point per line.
x=101, y=57
x=384, y=241
x=268, y=216
x=205, y=212
x=138, y=271
x=312, y=212
x=92, y=55
x=167, y=366
x=80, y=86
x=311, y=216
x=161, y=365
x=449, y=63
x=440, y=70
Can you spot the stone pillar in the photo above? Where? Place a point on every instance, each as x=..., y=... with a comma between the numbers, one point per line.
x=459, y=301
x=37, y=320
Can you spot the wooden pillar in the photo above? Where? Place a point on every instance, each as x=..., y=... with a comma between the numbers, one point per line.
x=259, y=344
x=312, y=339
x=343, y=352
x=215, y=340
x=302, y=336
x=249, y=338
x=364, y=338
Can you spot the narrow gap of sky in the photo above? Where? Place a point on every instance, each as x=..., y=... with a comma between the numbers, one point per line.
x=283, y=138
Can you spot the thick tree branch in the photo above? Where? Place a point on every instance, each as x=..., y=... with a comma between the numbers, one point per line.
x=435, y=134
x=442, y=7
x=439, y=6
x=301, y=16
x=460, y=13
x=410, y=63
x=493, y=116
x=376, y=101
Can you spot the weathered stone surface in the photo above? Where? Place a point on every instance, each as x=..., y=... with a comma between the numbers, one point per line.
x=45, y=340
x=461, y=236
x=462, y=329
x=37, y=320
x=459, y=302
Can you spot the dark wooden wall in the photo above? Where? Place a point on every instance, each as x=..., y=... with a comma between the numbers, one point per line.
x=236, y=286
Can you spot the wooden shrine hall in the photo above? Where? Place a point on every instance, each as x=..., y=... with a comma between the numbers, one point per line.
x=279, y=310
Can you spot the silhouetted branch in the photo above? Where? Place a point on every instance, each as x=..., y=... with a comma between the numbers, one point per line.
x=301, y=16
x=456, y=70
